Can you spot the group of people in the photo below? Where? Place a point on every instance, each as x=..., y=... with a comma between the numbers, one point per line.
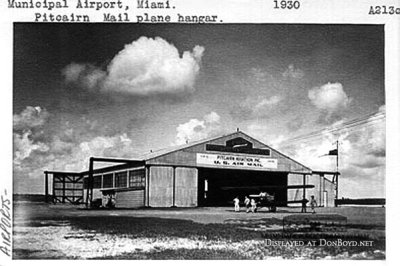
x=250, y=204
x=108, y=200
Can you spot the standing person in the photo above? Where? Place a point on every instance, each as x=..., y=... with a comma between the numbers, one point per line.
x=313, y=204
x=236, y=203
x=247, y=203
x=104, y=200
x=253, y=205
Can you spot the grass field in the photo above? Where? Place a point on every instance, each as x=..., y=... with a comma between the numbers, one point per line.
x=43, y=231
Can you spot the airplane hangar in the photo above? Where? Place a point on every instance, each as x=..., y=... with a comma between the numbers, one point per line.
x=209, y=172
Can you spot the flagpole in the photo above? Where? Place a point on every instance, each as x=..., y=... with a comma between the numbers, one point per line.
x=337, y=170
x=337, y=156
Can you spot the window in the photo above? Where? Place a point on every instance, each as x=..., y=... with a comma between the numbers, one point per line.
x=137, y=178
x=121, y=179
x=97, y=181
x=108, y=181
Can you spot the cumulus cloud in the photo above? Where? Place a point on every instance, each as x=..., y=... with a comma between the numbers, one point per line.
x=330, y=97
x=26, y=126
x=361, y=156
x=362, y=149
x=37, y=147
x=144, y=67
x=69, y=156
x=74, y=156
x=371, y=139
x=292, y=72
x=24, y=146
x=212, y=118
x=266, y=134
x=61, y=146
x=196, y=129
x=66, y=150
x=30, y=117
x=362, y=146
x=256, y=107
x=63, y=152
x=73, y=71
x=267, y=102
x=86, y=75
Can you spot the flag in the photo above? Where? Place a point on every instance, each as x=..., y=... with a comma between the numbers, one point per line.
x=333, y=152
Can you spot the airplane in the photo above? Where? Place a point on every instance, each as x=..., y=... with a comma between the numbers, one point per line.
x=268, y=200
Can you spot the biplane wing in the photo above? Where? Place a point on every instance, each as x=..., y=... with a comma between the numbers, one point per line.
x=260, y=188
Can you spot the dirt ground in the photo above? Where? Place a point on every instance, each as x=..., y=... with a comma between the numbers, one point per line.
x=45, y=231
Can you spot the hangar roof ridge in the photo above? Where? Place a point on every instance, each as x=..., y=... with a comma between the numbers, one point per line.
x=284, y=155
x=172, y=149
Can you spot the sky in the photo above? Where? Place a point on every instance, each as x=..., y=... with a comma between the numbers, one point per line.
x=121, y=90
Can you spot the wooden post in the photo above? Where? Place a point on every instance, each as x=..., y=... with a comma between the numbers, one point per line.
x=303, y=204
x=89, y=188
x=73, y=187
x=144, y=191
x=63, y=197
x=46, y=186
x=173, y=185
x=321, y=179
x=148, y=184
x=90, y=181
x=54, y=190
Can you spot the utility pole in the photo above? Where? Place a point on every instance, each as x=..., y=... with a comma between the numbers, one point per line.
x=337, y=156
x=337, y=170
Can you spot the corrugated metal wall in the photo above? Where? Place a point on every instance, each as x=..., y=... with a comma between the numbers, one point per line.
x=295, y=194
x=161, y=186
x=330, y=193
x=316, y=181
x=129, y=199
x=323, y=191
x=186, y=187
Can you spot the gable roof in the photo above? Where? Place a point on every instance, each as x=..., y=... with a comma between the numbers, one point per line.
x=163, y=152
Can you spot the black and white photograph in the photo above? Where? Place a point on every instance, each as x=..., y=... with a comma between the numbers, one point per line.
x=187, y=141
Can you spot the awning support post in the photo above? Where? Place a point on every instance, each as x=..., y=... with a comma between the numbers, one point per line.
x=304, y=201
x=46, y=186
x=173, y=186
x=89, y=189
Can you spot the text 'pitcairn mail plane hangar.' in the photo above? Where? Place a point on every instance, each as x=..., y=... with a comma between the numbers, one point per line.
x=209, y=172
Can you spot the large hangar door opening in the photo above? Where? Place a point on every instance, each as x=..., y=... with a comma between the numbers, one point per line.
x=218, y=187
